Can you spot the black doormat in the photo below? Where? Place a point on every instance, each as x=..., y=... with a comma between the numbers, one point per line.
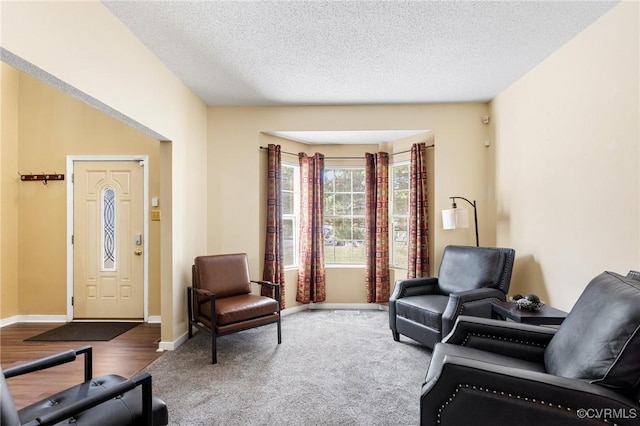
x=84, y=331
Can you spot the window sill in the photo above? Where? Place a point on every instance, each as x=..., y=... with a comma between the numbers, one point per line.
x=343, y=266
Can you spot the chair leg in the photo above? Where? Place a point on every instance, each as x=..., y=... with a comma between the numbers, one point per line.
x=278, y=296
x=279, y=331
x=396, y=335
x=190, y=311
x=214, y=349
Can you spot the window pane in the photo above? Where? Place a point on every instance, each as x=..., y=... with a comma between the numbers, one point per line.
x=340, y=253
x=109, y=229
x=345, y=252
x=329, y=254
x=329, y=205
x=358, y=228
x=400, y=229
x=401, y=177
x=290, y=213
x=400, y=254
x=343, y=180
x=342, y=230
x=358, y=204
x=287, y=175
x=400, y=211
x=328, y=230
x=343, y=204
x=344, y=216
x=287, y=228
x=358, y=252
x=358, y=180
x=287, y=203
x=400, y=242
x=401, y=202
x=288, y=241
x=329, y=179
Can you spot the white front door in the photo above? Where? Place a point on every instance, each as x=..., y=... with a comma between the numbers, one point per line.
x=108, y=225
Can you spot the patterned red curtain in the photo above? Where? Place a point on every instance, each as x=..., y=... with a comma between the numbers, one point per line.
x=311, y=276
x=273, y=248
x=377, y=227
x=418, y=210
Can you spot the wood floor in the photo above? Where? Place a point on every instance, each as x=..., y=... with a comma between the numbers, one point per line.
x=126, y=355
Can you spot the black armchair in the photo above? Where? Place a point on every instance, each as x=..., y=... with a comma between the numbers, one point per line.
x=587, y=372
x=104, y=401
x=425, y=309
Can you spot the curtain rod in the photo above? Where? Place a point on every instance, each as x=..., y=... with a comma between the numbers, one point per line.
x=349, y=158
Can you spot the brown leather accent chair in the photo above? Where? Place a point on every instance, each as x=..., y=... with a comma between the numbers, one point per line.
x=220, y=300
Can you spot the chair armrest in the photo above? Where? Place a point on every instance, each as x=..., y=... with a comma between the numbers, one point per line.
x=406, y=288
x=523, y=341
x=275, y=286
x=84, y=404
x=470, y=302
x=415, y=287
x=200, y=291
x=468, y=389
x=267, y=283
x=54, y=360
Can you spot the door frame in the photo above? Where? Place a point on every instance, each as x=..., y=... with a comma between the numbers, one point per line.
x=144, y=159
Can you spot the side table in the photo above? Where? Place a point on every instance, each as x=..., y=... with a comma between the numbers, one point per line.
x=545, y=315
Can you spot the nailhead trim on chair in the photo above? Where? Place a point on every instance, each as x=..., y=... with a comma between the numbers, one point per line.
x=464, y=304
x=491, y=336
x=509, y=395
x=510, y=259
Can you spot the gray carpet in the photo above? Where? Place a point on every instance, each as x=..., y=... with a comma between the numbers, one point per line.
x=332, y=368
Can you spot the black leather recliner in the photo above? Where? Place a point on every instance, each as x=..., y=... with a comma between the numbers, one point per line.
x=109, y=400
x=425, y=309
x=587, y=372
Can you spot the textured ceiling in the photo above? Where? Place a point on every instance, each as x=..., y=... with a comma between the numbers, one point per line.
x=353, y=52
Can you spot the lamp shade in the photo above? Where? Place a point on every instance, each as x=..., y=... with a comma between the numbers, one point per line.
x=455, y=218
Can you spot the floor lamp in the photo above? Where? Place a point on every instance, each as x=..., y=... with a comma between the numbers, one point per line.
x=458, y=218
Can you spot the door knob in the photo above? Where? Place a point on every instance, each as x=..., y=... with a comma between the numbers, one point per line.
x=138, y=252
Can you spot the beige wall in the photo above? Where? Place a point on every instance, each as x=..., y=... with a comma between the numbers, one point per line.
x=53, y=125
x=85, y=46
x=567, y=162
x=236, y=168
x=8, y=191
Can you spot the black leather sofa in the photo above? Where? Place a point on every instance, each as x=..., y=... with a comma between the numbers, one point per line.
x=491, y=372
x=425, y=309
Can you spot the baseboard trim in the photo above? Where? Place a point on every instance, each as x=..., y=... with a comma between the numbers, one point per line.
x=32, y=318
x=171, y=346
x=335, y=306
x=155, y=319
x=348, y=306
x=295, y=309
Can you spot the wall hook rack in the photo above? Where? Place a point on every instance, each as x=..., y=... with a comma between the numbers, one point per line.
x=44, y=178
